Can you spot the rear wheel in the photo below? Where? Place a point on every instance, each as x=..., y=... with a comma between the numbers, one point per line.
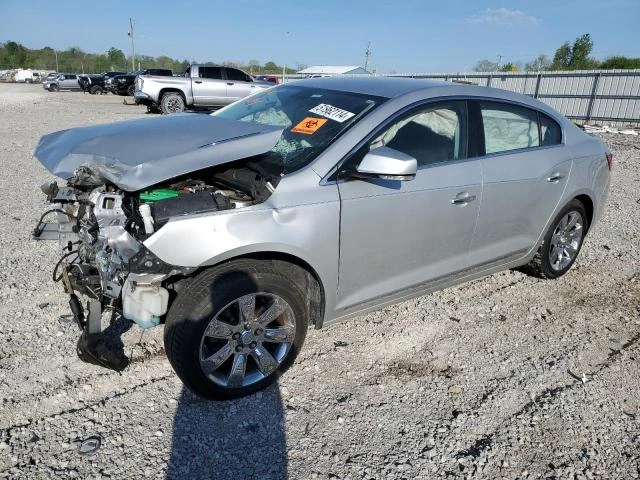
x=96, y=89
x=562, y=242
x=235, y=329
x=172, y=103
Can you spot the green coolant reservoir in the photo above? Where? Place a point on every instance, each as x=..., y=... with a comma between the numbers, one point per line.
x=158, y=194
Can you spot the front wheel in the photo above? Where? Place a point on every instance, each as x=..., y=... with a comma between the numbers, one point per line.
x=54, y=88
x=172, y=103
x=562, y=242
x=233, y=330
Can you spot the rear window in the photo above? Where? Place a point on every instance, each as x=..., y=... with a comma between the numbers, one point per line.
x=210, y=72
x=508, y=127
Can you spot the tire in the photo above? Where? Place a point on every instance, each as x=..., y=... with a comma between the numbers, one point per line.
x=96, y=89
x=130, y=90
x=172, y=103
x=207, y=339
x=561, y=244
x=54, y=88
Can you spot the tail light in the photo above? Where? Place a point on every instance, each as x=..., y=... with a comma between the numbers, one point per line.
x=609, y=160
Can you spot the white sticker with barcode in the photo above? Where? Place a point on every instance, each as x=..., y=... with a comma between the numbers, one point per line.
x=332, y=113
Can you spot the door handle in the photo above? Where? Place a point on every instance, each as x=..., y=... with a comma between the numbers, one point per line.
x=197, y=81
x=463, y=199
x=555, y=177
x=229, y=83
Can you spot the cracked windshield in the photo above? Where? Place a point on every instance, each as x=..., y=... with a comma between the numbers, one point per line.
x=311, y=119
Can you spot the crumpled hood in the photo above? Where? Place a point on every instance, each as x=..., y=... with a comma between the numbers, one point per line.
x=137, y=154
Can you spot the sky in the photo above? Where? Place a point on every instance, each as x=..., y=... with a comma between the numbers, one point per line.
x=405, y=35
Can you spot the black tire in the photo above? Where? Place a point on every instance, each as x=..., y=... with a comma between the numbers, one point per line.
x=130, y=90
x=213, y=293
x=54, y=88
x=172, y=102
x=96, y=89
x=541, y=266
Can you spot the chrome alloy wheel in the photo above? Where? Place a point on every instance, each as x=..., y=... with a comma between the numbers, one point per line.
x=566, y=240
x=247, y=340
x=174, y=105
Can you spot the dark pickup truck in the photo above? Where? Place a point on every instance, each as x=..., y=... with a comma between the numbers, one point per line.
x=94, y=84
x=125, y=84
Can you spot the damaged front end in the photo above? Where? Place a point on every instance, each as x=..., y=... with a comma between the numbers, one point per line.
x=107, y=211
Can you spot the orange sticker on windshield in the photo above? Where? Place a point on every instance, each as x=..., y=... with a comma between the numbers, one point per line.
x=309, y=125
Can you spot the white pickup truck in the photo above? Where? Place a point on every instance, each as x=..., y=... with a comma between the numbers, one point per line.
x=201, y=86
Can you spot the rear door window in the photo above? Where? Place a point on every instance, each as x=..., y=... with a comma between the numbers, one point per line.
x=237, y=75
x=210, y=72
x=550, y=131
x=508, y=127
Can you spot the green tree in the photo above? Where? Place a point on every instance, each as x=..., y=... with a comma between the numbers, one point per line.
x=509, y=67
x=576, y=56
x=620, y=62
x=485, y=66
x=541, y=62
x=116, y=58
x=271, y=67
x=562, y=57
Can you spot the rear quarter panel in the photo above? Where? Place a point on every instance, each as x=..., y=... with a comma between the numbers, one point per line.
x=590, y=174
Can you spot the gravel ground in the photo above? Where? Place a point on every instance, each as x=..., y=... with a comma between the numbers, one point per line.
x=504, y=377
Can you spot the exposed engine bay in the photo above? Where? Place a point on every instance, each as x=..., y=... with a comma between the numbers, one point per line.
x=101, y=230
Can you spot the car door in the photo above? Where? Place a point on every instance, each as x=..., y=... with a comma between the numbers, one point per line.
x=398, y=234
x=68, y=81
x=525, y=170
x=239, y=84
x=209, y=88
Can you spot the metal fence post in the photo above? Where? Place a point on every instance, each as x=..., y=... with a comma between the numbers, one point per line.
x=489, y=80
x=535, y=95
x=594, y=91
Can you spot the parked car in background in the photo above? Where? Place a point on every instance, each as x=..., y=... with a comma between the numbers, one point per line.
x=268, y=78
x=125, y=84
x=62, y=81
x=50, y=76
x=201, y=86
x=234, y=228
x=95, y=84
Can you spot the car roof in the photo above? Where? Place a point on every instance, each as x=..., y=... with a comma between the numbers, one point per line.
x=392, y=87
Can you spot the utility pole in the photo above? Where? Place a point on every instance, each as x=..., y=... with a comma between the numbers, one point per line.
x=57, y=68
x=499, y=60
x=367, y=54
x=133, y=50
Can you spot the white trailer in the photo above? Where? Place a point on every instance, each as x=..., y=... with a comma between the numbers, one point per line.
x=27, y=76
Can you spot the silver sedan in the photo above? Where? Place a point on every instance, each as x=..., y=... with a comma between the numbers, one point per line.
x=310, y=203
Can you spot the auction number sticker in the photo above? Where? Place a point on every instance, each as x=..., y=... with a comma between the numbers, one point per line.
x=309, y=125
x=332, y=113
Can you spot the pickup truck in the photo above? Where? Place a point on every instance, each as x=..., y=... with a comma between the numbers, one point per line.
x=201, y=86
x=125, y=84
x=95, y=84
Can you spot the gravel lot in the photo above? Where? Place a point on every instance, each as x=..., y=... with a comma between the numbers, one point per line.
x=504, y=377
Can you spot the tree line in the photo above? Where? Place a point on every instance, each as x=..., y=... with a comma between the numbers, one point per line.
x=569, y=56
x=13, y=55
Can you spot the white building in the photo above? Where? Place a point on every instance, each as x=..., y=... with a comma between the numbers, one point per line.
x=329, y=70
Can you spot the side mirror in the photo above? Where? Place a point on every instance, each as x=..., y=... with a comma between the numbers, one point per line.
x=387, y=164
